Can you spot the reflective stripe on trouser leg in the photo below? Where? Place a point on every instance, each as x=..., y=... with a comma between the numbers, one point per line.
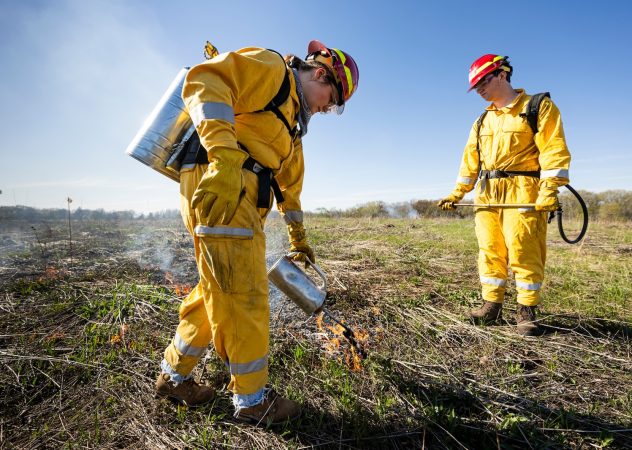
x=192, y=335
x=234, y=285
x=526, y=240
x=492, y=255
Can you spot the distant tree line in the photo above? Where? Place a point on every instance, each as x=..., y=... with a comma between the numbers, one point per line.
x=29, y=214
x=609, y=205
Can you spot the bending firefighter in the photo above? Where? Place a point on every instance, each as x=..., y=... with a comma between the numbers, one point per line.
x=250, y=108
x=516, y=165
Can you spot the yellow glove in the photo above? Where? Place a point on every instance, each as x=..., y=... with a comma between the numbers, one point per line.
x=220, y=189
x=448, y=202
x=298, y=242
x=547, y=197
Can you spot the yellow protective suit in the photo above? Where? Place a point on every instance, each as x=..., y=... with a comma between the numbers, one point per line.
x=229, y=306
x=514, y=237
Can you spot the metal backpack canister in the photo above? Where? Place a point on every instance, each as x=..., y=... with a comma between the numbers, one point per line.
x=165, y=132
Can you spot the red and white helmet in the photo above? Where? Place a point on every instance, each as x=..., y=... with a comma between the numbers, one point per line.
x=486, y=64
x=343, y=67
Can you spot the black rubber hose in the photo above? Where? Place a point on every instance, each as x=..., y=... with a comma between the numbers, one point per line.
x=584, y=225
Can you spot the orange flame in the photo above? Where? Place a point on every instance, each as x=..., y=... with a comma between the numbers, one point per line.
x=337, y=330
x=119, y=339
x=182, y=289
x=353, y=360
x=361, y=335
x=333, y=344
x=319, y=322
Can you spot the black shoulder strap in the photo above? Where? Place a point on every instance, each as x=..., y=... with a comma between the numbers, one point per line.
x=284, y=90
x=280, y=98
x=533, y=110
x=479, y=124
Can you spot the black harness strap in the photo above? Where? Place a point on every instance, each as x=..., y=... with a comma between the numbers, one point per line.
x=479, y=124
x=266, y=182
x=196, y=154
x=280, y=98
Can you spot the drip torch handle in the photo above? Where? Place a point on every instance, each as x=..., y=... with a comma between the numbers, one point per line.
x=316, y=267
x=498, y=205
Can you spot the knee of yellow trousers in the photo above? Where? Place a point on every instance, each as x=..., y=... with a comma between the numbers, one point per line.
x=492, y=293
x=248, y=383
x=527, y=297
x=193, y=305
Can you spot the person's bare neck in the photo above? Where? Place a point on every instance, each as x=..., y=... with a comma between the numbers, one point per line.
x=506, y=95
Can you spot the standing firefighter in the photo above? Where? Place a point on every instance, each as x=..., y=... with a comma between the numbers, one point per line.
x=250, y=108
x=516, y=165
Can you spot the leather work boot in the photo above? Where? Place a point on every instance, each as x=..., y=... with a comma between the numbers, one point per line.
x=525, y=318
x=273, y=410
x=490, y=312
x=188, y=392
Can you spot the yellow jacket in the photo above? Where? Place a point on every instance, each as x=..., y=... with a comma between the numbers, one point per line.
x=508, y=143
x=222, y=95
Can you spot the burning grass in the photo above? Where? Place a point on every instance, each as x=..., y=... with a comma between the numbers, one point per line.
x=82, y=340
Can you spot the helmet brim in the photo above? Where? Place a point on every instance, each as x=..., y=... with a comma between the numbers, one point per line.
x=317, y=46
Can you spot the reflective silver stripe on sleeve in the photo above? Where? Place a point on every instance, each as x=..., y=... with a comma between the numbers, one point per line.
x=250, y=367
x=204, y=231
x=526, y=209
x=493, y=281
x=528, y=286
x=211, y=110
x=465, y=180
x=293, y=216
x=187, y=349
x=562, y=173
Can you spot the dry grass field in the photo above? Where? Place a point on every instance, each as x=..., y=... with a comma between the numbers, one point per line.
x=82, y=333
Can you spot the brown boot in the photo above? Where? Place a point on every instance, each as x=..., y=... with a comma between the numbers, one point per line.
x=490, y=312
x=525, y=318
x=187, y=393
x=272, y=411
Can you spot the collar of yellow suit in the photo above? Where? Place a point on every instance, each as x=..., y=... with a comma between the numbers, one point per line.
x=517, y=101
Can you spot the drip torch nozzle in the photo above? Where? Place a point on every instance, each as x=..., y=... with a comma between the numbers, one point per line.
x=348, y=334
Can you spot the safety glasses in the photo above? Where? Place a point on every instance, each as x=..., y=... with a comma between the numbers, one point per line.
x=334, y=106
x=485, y=80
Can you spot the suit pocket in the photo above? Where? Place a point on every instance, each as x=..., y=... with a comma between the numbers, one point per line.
x=229, y=254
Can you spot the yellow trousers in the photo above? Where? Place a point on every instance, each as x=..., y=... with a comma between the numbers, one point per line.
x=514, y=238
x=229, y=305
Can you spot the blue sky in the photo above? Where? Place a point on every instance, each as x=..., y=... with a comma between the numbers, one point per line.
x=79, y=77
